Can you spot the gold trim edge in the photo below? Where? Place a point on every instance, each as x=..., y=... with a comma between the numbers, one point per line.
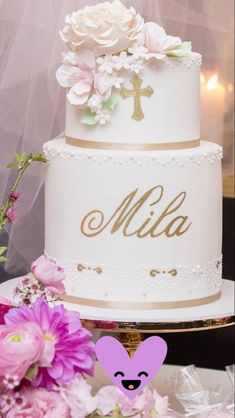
x=160, y=327
x=141, y=305
x=81, y=143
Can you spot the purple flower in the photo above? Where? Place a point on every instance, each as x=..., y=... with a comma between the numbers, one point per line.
x=11, y=215
x=14, y=196
x=73, y=348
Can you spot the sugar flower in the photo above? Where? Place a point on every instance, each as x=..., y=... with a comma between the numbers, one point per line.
x=78, y=78
x=136, y=67
x=122, y=61
x=106, y=64
x=103, y=116
x=95, y=103
x=21, y=346
x=63, y=332
x=49, y=274
x=103, y=86
x=105, y=28
x=159, y=44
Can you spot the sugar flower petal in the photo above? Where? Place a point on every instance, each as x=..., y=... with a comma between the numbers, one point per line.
x=68, y=75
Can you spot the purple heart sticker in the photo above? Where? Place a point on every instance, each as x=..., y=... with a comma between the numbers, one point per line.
x=131, y=375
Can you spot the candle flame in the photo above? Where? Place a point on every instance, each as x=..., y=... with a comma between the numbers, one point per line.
x=202, y=78
x=212, y=82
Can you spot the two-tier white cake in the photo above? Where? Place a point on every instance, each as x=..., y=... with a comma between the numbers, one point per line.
x=133, y=198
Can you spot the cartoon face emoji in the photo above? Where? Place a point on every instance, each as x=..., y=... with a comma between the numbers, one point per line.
x=131, y=384
x=131, y=375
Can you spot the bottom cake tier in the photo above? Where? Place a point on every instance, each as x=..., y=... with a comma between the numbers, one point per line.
x=139, y=230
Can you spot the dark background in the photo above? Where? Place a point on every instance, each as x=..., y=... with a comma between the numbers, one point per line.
x=214, y=348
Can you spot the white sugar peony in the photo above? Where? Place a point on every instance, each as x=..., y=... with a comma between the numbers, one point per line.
x=104, y=28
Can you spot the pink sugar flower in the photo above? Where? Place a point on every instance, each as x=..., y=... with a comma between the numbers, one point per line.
x=62, y=330
x=78, y=75
x=11, y=215
x=50, y=274
x=21, y=345
x=79, y=78
x=157, y=41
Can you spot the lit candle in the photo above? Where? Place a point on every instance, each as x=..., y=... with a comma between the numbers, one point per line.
x=212, y=109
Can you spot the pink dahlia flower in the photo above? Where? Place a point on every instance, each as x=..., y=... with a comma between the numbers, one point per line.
x=73, y=348
x=21, y=345
x=50, y=274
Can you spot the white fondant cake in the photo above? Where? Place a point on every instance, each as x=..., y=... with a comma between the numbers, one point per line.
x=133, y=199
x=143, y=226
x=172, y=114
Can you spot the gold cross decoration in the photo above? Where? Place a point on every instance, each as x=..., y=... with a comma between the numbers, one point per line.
x=137, y=93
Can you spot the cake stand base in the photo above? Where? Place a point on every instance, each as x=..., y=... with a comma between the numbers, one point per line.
x=130, y=326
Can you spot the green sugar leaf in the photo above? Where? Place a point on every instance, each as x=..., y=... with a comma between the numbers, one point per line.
x=89, y=118
x=181, y=50
x=111, y=103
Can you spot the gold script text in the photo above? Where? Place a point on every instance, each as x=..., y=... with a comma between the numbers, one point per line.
x=124, y=217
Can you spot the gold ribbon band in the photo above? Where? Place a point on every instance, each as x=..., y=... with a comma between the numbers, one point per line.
x=81, y=143
x=141, y=305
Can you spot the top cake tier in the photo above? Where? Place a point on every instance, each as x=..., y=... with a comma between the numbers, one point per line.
x=129, y=84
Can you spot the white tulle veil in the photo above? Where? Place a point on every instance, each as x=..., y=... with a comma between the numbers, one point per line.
x=32, y=105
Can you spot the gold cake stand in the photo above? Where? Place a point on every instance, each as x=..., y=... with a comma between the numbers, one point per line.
x=130, y=333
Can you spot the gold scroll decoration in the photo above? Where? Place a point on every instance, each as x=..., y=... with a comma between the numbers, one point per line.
x=82, y=267
x=155, y=272
x=137, y=92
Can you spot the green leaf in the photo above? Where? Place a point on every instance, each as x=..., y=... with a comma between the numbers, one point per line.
x=3, y=259
x=111, y=103
x=181, y=50
x=32, y=372
x=20, y=157
x=39, y=157
x=89, y=118
x=2, y=250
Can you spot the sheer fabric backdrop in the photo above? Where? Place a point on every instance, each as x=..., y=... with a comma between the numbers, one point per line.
x=32, y=105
